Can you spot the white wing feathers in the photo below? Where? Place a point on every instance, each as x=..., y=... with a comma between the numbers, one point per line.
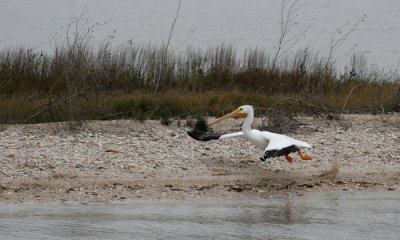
x=279, y=141
x=230, y=135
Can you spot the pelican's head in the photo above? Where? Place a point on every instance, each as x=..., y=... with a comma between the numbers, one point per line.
x=240, y=112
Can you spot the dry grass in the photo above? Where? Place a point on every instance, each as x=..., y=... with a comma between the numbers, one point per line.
x=180, y=104
x=79, y=82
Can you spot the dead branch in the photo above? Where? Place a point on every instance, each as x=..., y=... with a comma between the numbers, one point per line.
x=47, y=106
x=308, y=103
x=282, y=121
x=349, y=94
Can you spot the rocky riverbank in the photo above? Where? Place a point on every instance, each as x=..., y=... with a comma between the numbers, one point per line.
x=124, y=159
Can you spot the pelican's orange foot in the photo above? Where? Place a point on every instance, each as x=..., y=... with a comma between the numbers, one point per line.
x=289, y=159
x=305, y=158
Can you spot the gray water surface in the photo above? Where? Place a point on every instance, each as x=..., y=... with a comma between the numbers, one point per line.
x=358, y=215
x=207, y=23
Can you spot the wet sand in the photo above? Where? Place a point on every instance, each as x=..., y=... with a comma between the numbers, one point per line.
x=125, y=159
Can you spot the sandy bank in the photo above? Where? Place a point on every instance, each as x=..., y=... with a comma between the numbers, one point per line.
x=125, y=159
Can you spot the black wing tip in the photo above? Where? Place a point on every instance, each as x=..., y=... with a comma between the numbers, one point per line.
x=280, y=152
x=203, y=136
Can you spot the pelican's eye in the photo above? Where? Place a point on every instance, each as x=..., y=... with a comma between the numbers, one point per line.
x=240, y=109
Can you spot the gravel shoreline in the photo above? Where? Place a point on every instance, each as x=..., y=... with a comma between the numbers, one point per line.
x=126, y=159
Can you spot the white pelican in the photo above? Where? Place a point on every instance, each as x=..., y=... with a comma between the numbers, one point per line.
x=273, y=144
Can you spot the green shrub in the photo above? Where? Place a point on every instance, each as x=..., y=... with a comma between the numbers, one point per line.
x=201, y=124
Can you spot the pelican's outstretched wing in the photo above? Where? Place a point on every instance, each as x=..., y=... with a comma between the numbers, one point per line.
x=280, y=145
x=230, y=135
x=207, y=136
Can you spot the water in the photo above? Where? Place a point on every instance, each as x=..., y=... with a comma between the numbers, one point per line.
x=207, y=23
x=358, y=215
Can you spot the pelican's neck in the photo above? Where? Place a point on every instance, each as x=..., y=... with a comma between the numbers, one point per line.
x=246, y=127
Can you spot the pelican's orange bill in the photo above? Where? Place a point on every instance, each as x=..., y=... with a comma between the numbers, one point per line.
x=234, y=114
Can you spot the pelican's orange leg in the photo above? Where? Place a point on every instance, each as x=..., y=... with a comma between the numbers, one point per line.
x=304, y=157
x=288, y=158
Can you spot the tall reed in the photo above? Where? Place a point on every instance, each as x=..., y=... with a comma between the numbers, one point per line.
x=78, y=70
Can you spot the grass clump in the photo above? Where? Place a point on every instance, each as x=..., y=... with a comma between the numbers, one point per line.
x=201, y=124
x=80, y=81
x=166, y=121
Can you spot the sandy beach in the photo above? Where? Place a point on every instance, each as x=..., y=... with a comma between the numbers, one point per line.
x=126, y=159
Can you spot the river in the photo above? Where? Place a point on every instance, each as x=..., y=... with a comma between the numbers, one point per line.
x=326, y=215
x=207, y=23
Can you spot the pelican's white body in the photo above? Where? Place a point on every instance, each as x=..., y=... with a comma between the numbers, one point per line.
x=264, y=140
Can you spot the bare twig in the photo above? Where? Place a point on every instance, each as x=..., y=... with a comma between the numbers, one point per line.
x=284, y=121
x=47, y=106
x=305, y=102
x=152, y=112
x=111, y=115
x=336, y=43
x=289, y=8
x=165, y=52
x=349, y=94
